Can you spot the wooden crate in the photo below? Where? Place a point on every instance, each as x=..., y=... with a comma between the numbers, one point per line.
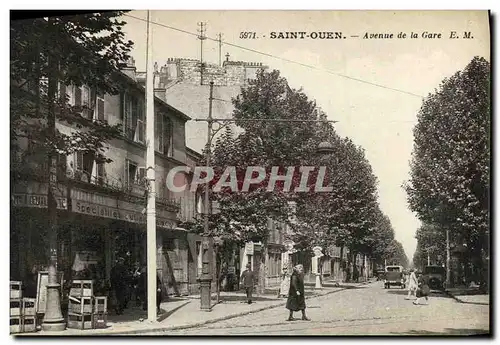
x=100, y=320
x=80, y=305
x=16, y=306
x=28, y=324
x=100, y=304
x=29, y=307
x=82, y=288
x=80, y=321
x=16, y=290
x=16, y=326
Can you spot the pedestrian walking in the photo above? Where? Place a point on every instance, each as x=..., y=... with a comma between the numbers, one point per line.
x=412, y=284
x=247, y=280
x=144, y=290
x=285, y=283
x=119, y=285
x=296, y=300
x=423, y=290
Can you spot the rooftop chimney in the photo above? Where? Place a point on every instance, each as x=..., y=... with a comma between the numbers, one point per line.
x=129, y=68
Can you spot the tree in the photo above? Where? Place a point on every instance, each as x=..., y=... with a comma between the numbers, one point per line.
x=346, y=214
x=47, y=54
x=396, y=255
x=431, y=243
x=244, y=216
x=449, y=184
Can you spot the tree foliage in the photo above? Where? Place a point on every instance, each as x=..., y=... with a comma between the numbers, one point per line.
x=349, y=215
x=47, y=53
x=449, y=184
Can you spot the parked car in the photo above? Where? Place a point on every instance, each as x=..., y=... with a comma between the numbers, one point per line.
x=394, y=276
x=437, y=276
x=380, y=273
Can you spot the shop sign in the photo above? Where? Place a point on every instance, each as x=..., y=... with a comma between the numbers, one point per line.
x=36, y=200
x=115, y=213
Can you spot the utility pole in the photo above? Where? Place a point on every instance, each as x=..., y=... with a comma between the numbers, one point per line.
x=448, y=259
x=206, y=276
x=151, y=194
x=53, y=319
x=201, y=37
x=220, y=48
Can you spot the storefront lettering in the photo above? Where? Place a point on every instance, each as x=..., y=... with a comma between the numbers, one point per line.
x=114, y=213
x=36, y=200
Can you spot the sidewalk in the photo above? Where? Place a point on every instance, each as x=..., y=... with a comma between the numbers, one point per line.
x=184, y=312
x=469, y=295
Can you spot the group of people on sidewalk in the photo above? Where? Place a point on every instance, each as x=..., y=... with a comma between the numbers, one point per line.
x=418, y=286
x=122, y=282
x=292, y=286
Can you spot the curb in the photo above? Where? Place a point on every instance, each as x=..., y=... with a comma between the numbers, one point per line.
x=462, y=301
x=223, y=318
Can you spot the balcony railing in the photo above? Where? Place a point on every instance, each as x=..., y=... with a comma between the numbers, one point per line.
x=134, y=191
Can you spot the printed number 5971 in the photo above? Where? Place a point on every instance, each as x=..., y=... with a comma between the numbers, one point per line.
x=248, y=35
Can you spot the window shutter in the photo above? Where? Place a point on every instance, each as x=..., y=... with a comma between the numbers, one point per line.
x=141, y=175
x=78, y=96
x=122, y=107
x=100, y=109
x=62, y=92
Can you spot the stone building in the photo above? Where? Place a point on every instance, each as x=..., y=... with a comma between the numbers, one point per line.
x=101, y=207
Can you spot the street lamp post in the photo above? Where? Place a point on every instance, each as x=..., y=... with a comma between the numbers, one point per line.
x=205, y=279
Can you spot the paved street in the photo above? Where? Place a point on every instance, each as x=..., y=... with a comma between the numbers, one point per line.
x=362, y=310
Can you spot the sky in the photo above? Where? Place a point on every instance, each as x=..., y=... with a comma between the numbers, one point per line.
x=377, y=118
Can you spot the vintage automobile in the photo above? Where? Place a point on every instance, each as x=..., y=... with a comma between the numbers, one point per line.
x=394, y=276
x=380, y=273
x=437, y=276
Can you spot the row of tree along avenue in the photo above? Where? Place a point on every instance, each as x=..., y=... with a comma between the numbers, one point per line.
x=348, y=216
x=450, y=182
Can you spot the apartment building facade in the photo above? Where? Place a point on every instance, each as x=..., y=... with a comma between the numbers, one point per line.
x=101, y=206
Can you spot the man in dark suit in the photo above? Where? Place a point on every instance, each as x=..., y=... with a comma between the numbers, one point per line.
x=247, y=279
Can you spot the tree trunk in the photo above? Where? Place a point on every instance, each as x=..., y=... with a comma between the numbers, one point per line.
x=262, y=269
x=448, y=260
x=342, y=264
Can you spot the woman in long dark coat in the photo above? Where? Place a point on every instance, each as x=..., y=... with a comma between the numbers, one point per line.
x=296, y=300
x=423, y=289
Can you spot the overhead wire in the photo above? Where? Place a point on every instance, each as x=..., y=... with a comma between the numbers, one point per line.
x=282, y=58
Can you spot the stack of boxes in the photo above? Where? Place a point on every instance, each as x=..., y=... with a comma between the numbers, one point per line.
x=80, y=304
x=22, y=310
x=84, y=310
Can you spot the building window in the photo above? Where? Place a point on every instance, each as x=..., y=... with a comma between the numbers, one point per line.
x=164, y=134
x=84, y=165
x=133, y=117
x=135, y=175
x=100, y=174
x=99, y=110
